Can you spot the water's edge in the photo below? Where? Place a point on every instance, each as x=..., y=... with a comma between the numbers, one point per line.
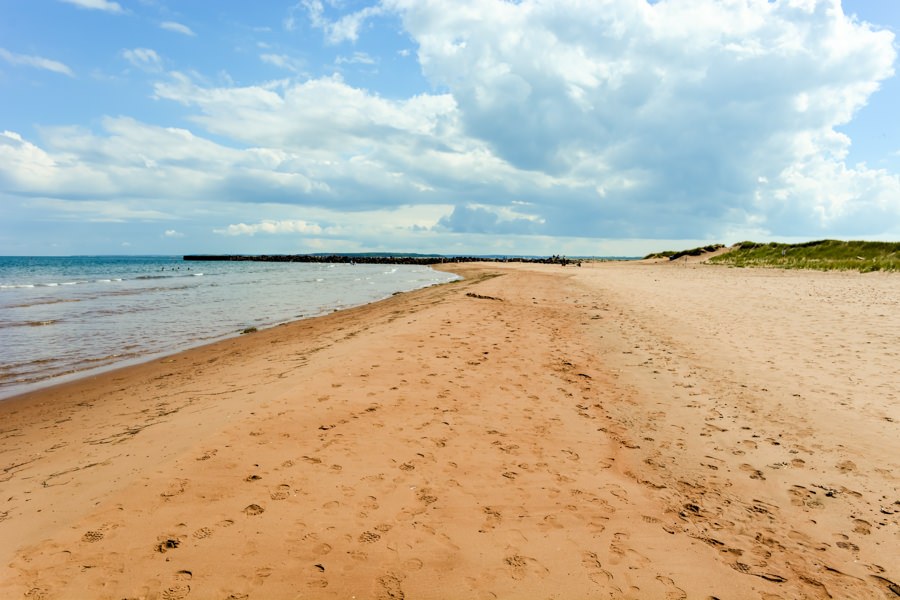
x=13, y=390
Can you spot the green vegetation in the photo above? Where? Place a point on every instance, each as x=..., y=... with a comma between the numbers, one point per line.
x=824, y=255
x=672, y=254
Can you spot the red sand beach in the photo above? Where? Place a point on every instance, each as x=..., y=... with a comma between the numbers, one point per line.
x=619, y=430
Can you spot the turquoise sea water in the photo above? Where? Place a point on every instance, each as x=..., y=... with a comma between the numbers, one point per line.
x=62, y=317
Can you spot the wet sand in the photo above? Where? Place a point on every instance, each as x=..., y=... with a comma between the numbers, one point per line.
x=616, y=430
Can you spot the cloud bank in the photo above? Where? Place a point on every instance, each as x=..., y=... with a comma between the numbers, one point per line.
x=700, y=119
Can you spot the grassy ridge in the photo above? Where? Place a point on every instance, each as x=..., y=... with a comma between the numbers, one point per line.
x=672, y=254
x=825, y=255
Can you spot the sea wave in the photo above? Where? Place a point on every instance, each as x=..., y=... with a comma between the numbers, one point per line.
x=169, y=276
x=43, y=302
x=43, y=323
x=12, y=286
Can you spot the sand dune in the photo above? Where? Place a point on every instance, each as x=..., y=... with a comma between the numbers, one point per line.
x=616, y=430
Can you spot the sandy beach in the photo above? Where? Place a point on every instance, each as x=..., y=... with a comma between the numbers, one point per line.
x=619, y=430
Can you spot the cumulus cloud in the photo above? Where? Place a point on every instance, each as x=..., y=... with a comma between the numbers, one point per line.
x=275, y=227
x=104, y=5
x=143, y=58
x=177, y=28
x=619, y=119
x=139, y=161
x=171, y=233
x=35, y=61
x=673, y=108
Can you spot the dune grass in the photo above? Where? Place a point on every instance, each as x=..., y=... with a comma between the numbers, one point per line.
x=824, y=255
x=672, y=254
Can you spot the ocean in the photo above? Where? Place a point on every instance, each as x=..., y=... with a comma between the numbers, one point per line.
x=66, y=317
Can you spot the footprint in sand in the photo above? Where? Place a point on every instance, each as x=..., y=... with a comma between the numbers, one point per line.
x=92, y=536
x=369, y=537
x=176, y=592
x=207, y=455
x=591, y=562
x=203, y=532
x=175, y=487
x=413, y=564
x=167, y=543
x=253, y=510
x=801, y=496
x=847, y=466
x=426, y=497
x=521, y=566
x=281, y=492
x=862, y=527
x=753, y=472
x=550, y=522
x=673, y=592
x=571, y=454
x=321, y=549
x=390, y=587
x=493, y=519
x=621, y=552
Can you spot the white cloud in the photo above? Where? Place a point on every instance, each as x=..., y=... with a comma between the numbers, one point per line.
x=356, y=58
x=171, y=233
x=95, y=211
x=104, y=5
x=319, y=114
x=36, y=62
x=273, y=227
x=283, y=61
x=143, y=58
x=345, y=28
x=618, y=119
x=671, y=111
x=177, y=28
x=133, y=160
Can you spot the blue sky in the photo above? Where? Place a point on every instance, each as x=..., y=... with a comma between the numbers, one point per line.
x=601, y=127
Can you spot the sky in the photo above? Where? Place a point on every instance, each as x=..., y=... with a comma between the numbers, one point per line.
x=536, y=127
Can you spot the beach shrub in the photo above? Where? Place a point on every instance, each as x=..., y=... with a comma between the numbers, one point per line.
x=823, y=255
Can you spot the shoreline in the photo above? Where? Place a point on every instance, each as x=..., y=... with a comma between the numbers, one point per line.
x=11, y=389
x=631, y=430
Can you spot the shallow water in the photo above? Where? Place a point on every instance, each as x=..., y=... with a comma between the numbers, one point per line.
x=65, y=316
